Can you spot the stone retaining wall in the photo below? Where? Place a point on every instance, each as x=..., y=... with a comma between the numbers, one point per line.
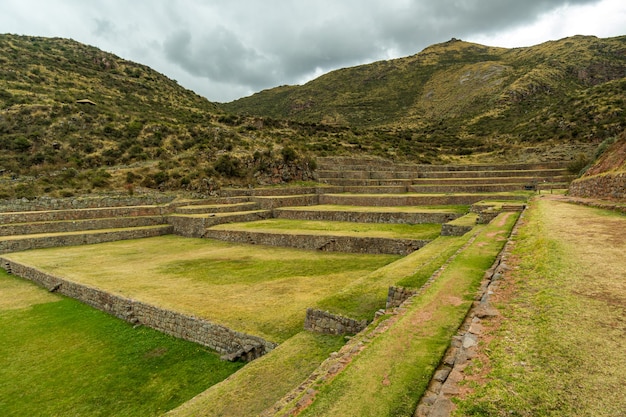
x=611, y=186
x=454, y=230
x=366, y=217
x=349, y=244
x=89, y=238
x=79, y=225
x=81, y=214
x=190, y=226
x=324, y=322
x=462, y=188
x=408, y=200
x=398, y=295
x=485, y=217
x=269, y=203
x=231, y=343
x=47, y=203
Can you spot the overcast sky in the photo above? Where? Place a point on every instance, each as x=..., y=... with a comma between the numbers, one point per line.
x=226, y=49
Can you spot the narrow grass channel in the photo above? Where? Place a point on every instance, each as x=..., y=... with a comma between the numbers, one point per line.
x=390, y=375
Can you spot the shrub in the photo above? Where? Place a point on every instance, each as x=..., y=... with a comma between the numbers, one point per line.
x=228, y=166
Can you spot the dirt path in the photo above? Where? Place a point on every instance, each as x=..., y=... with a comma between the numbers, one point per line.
x=557, y=347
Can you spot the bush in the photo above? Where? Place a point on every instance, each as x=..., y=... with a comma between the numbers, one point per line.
x=578, y=165
x=228, y=166
x=288, y=154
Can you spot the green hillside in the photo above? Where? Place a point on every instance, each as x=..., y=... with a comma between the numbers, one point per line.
x=137, y=128
x=571, y=89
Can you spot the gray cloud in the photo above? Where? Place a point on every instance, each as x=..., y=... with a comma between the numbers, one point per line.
x=224, y=50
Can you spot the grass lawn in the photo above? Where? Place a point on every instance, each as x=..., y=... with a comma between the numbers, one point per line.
x=394, y=231
x=254, y=289
x=558, y=349
x=59, y=357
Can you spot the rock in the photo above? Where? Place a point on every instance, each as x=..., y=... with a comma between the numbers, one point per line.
x=469, y=341
x=442, y=374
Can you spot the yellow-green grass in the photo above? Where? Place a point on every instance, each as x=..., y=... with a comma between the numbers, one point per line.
x=364, y=296
x=59, y=357
x=390, y=375
x=390, y=209
x=559, y=350
x=468, y=220
x=393, y=231
x=258, y=290
x=264, y=381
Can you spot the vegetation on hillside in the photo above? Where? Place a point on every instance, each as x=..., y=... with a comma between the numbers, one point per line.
x=140, y=130
x=474, y=96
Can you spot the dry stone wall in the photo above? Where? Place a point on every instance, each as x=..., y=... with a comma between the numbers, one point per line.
x=398, y=295
x=366, y=217
x=80, y=214
x=47, y=203
x=611, y=186
x=78, y=225
x=232, y=344
x=348, y=244
x=89, y=238
x=454, y=230
x=327, y=323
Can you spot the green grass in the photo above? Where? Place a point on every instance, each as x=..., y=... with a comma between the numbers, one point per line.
x=391, y=374
x=59, y=357
x=559, y=350
x=365, y=296
x=396, y=231
x=264, y=381
x=255, y=289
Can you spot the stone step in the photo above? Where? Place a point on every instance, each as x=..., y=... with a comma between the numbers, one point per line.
x=371, y=215
x=194, y=225
x=487, y=180
x=351, y=182
x=61, y=226
x=217, y=208
x=266, y=191
x=49, y=240
x=388, y=200
x=364, y=189
x=275, y=201
x=357, y=164
x=461, y=188
x=538, y=173
x=329, y=243
x=80, y=214
x=324, y=176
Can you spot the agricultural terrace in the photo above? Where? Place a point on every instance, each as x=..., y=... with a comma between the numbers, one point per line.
x=259, y=290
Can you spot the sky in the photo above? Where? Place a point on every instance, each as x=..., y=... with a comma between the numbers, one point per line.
x=227, y=49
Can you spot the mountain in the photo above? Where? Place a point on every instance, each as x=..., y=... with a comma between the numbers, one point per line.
x=571, y=89
x=75, y=119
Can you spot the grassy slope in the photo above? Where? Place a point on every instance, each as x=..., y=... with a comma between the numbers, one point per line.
x=390, y=375
x=559, y=349
x=261, y=383
x=254, y=289
x=60, y=357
